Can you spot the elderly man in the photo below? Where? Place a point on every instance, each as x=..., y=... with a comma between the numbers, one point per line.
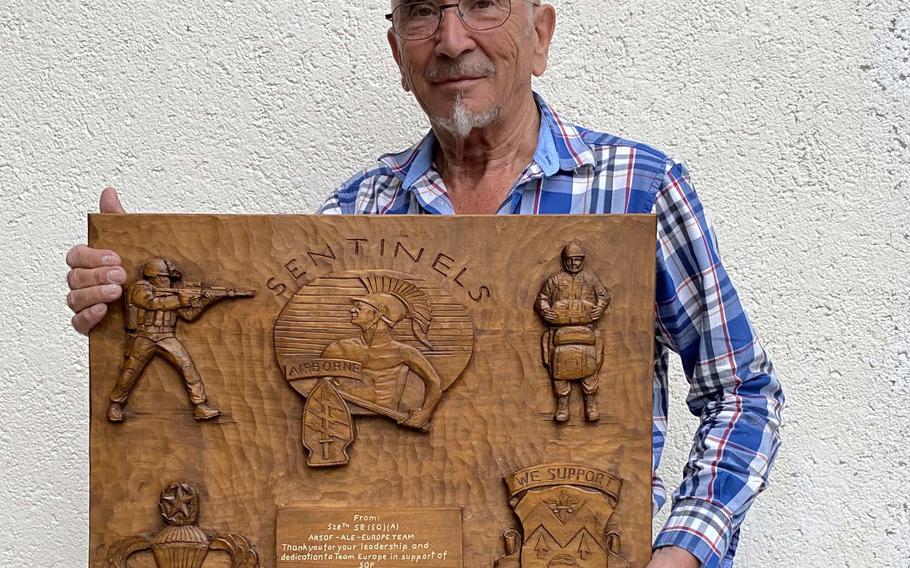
x=496, y=147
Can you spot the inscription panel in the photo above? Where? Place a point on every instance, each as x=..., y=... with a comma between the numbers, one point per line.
x=369, y=538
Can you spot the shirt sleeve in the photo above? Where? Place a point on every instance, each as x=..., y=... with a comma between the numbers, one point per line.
x=733, y=389
x=344, y=200
x=333, y=204
x=371, y=191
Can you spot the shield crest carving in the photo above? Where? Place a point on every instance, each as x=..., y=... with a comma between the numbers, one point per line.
x=564, y=511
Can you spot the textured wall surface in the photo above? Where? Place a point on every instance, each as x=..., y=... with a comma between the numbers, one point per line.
x=794, y=118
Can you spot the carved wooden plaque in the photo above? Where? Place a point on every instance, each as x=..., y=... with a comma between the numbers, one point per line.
x=399, y=391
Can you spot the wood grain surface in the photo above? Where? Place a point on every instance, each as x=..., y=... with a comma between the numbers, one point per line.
x=495, y=416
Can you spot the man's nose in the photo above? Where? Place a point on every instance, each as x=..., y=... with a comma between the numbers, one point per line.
x=453, y=37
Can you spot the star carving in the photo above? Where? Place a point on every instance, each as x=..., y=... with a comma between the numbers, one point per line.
x=179, y=504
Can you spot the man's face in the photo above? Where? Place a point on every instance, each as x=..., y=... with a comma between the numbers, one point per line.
x=573, y=264
x=484, y=72
x=363, y=315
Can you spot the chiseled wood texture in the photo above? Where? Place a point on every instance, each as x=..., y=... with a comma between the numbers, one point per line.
x=495, y=419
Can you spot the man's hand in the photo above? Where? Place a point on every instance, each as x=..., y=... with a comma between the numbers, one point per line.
x=549, y=314
x=95, y=277
x=673, y=557
x=419, y=420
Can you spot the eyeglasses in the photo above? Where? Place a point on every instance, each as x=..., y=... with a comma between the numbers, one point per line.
x=418, y=19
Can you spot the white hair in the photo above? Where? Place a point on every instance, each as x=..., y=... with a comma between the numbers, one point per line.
x=463, y=121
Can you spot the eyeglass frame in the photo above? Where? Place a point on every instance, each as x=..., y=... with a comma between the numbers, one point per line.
x=442, y=9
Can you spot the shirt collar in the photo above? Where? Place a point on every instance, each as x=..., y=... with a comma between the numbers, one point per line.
x=414, y=162
x=560, y=142
x=560, y=146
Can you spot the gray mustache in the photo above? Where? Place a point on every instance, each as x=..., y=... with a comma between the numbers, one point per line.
x=441, y=72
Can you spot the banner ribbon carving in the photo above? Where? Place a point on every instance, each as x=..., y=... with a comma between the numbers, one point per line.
x=317, y=368
x=548, y=475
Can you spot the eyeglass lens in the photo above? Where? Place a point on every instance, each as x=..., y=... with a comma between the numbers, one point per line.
x=420, y=19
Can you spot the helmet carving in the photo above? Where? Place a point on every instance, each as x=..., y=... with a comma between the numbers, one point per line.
x=397, y=300
x=573, y=250
x=160, y=267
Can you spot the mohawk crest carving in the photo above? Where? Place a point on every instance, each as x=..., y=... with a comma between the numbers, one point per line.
x=397, y=300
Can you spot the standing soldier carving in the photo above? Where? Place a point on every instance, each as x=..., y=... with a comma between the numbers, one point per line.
x=571, y=302
x=153, y=306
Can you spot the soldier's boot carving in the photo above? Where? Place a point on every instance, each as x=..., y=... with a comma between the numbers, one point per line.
x=115, y=412
x=562, y=409
x=591, y=413
x=204, y=411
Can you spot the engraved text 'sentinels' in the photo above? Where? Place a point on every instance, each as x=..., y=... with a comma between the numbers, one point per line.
x=381, y=249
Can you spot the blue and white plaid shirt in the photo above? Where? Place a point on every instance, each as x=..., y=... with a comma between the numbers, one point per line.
x=732, y=386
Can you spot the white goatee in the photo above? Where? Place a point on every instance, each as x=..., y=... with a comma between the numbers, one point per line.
x=463, y=121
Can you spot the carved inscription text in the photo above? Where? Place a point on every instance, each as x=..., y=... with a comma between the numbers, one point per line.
x=295, y=271
x=369, y=538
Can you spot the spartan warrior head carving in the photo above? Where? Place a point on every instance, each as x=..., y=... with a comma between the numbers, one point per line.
x=181, y=544
x=396, y=300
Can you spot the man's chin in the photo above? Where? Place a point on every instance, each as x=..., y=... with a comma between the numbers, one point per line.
x=444, y=100
x=465, y=116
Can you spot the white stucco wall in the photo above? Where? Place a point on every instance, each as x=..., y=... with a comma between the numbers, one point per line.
x=794, y=118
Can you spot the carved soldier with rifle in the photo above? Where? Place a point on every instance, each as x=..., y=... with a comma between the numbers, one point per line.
x=153, y=307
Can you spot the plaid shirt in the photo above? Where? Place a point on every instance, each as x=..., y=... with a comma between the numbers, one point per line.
x=698, y=314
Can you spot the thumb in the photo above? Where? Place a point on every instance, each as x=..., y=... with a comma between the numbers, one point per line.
x=110, y=201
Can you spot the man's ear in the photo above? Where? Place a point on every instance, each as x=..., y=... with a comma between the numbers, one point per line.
x=544, y=27
x=396, y=53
